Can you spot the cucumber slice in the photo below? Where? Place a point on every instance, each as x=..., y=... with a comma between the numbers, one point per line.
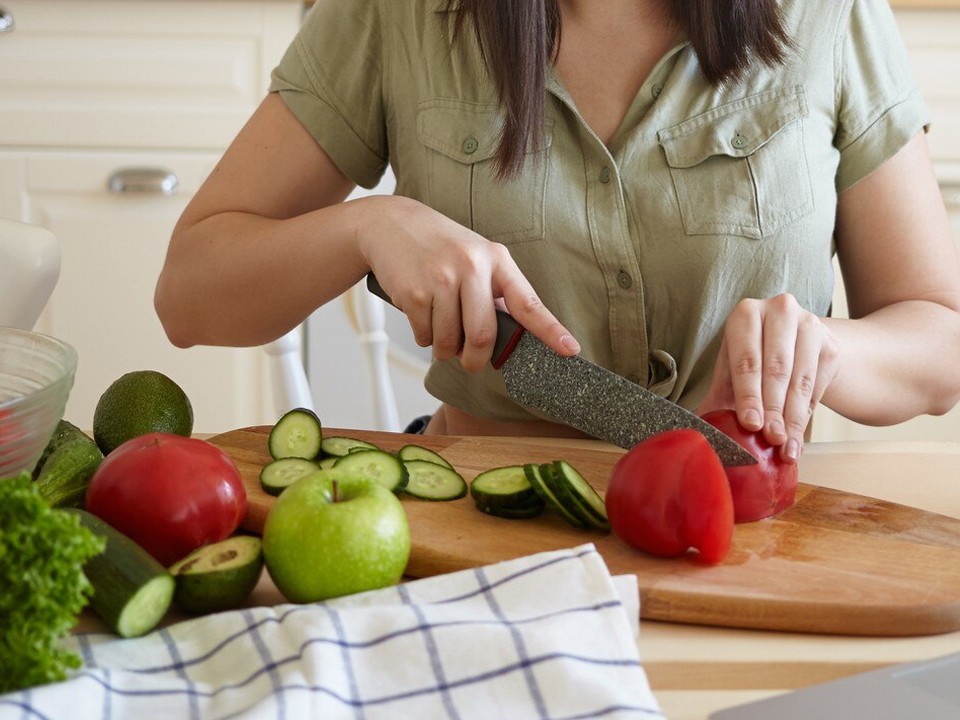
x=338, y=445
x=377, y=465
x=566, y=480
x=327, y=462
x=131, y=590
x=297, y=434
x=512, y=513
x=219, y=576
x=559, y=478
x=280, y=474
x=539, y=484
x=417, y=452
x=429, y=481
x=507, y=492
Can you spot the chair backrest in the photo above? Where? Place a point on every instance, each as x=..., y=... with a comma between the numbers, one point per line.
x=29, y=269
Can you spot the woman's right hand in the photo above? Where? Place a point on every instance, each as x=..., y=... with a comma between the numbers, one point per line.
x=448, y=280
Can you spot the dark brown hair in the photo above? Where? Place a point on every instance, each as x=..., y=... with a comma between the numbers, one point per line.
x=518, y=38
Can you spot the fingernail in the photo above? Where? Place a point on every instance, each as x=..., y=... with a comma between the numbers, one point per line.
x=776, y=429
x=792, y=450
x=570, y=344
x=752, y=419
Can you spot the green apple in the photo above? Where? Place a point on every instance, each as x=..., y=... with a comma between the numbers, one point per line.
x=334, y=533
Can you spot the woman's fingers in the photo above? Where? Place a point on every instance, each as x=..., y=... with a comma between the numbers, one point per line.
x=479, y=322
x=779, y=322
x=447, y=321
x=461, y=278
x=775, y=362
x=527, y=309
x=743, y=338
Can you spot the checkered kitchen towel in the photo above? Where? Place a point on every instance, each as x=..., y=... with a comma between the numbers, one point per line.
x=544, y=636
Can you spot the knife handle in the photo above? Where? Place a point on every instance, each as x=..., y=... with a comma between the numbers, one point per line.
x=508, y=329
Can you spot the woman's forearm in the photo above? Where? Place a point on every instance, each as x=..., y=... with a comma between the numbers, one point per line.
x=240, y=279
x=896, y=363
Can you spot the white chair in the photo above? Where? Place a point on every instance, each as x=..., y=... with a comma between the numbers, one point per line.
x=365, y=311
x=287, y=374
x=29, y=270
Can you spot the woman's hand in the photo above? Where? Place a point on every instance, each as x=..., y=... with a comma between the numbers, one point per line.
x=448, y=280
x=776, y=361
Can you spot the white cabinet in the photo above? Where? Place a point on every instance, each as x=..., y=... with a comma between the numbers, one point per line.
x=932, y=40
x=90, y=90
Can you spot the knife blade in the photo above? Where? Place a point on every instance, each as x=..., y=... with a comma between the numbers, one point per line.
x=587, y=396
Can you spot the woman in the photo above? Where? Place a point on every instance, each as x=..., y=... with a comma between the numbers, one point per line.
x=658, y=184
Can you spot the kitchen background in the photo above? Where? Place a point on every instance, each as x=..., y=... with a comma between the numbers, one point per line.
x=113, y=111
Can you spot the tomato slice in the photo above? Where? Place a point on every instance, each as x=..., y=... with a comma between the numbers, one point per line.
x=670, y=493
x=760, y=490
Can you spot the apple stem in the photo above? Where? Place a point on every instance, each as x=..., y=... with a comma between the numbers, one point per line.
x=335, y=487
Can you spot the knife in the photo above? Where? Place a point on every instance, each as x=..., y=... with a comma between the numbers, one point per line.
x=586, y=396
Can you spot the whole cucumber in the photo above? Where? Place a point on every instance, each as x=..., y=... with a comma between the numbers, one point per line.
x=66, y=466
x=131, y=590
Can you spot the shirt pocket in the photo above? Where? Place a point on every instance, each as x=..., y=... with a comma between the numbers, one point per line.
x=460, y=141
x=741, y=168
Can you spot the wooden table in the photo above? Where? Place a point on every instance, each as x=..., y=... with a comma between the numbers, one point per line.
x=697, y=670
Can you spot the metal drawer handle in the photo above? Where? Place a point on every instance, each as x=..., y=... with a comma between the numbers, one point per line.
x=143, y=180
x=6, y=20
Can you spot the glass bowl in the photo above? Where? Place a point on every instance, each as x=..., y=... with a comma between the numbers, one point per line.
x=36, y=376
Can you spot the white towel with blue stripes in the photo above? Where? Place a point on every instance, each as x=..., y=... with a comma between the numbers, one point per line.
x=547, y=636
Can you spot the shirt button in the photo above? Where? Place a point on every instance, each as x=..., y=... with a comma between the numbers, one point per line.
x=470, y=145
x=605, y=174
x=624, y=280
x=656, y=90
x=739, y=141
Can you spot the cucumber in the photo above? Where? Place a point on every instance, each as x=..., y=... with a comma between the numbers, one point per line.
x=68, y=462
x=417, y=452
x=338, y=446
x=531, y=511
x=219, y=576
x=429, y=481
x=297, y=434
x=537, y=481
x=131, y=590
x=327, y=462
x=506, y=492
x=377, y=465
x=575, y=493
x=278, y=475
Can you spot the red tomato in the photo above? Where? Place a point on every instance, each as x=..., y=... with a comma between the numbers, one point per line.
x=670, y=493
x=760, y=490
x=171, y=494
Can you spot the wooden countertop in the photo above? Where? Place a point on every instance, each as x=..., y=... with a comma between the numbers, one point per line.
x=697, y=670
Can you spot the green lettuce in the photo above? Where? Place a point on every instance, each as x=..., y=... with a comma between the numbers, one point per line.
x=42, y=585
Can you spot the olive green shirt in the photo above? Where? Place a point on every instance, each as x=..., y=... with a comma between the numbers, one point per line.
x=641, y=247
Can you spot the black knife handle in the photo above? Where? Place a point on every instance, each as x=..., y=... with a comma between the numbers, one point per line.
x=508, y=329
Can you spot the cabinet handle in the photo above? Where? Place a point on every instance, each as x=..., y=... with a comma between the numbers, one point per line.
x=143, y=180
x=6, y=20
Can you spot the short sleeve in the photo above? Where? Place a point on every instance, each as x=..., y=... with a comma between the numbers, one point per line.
x=879, y=104
x=331, y=77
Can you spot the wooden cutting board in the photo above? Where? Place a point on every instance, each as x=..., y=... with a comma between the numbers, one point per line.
x=834, y=563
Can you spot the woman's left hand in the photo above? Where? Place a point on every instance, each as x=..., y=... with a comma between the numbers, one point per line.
x=776, y=360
